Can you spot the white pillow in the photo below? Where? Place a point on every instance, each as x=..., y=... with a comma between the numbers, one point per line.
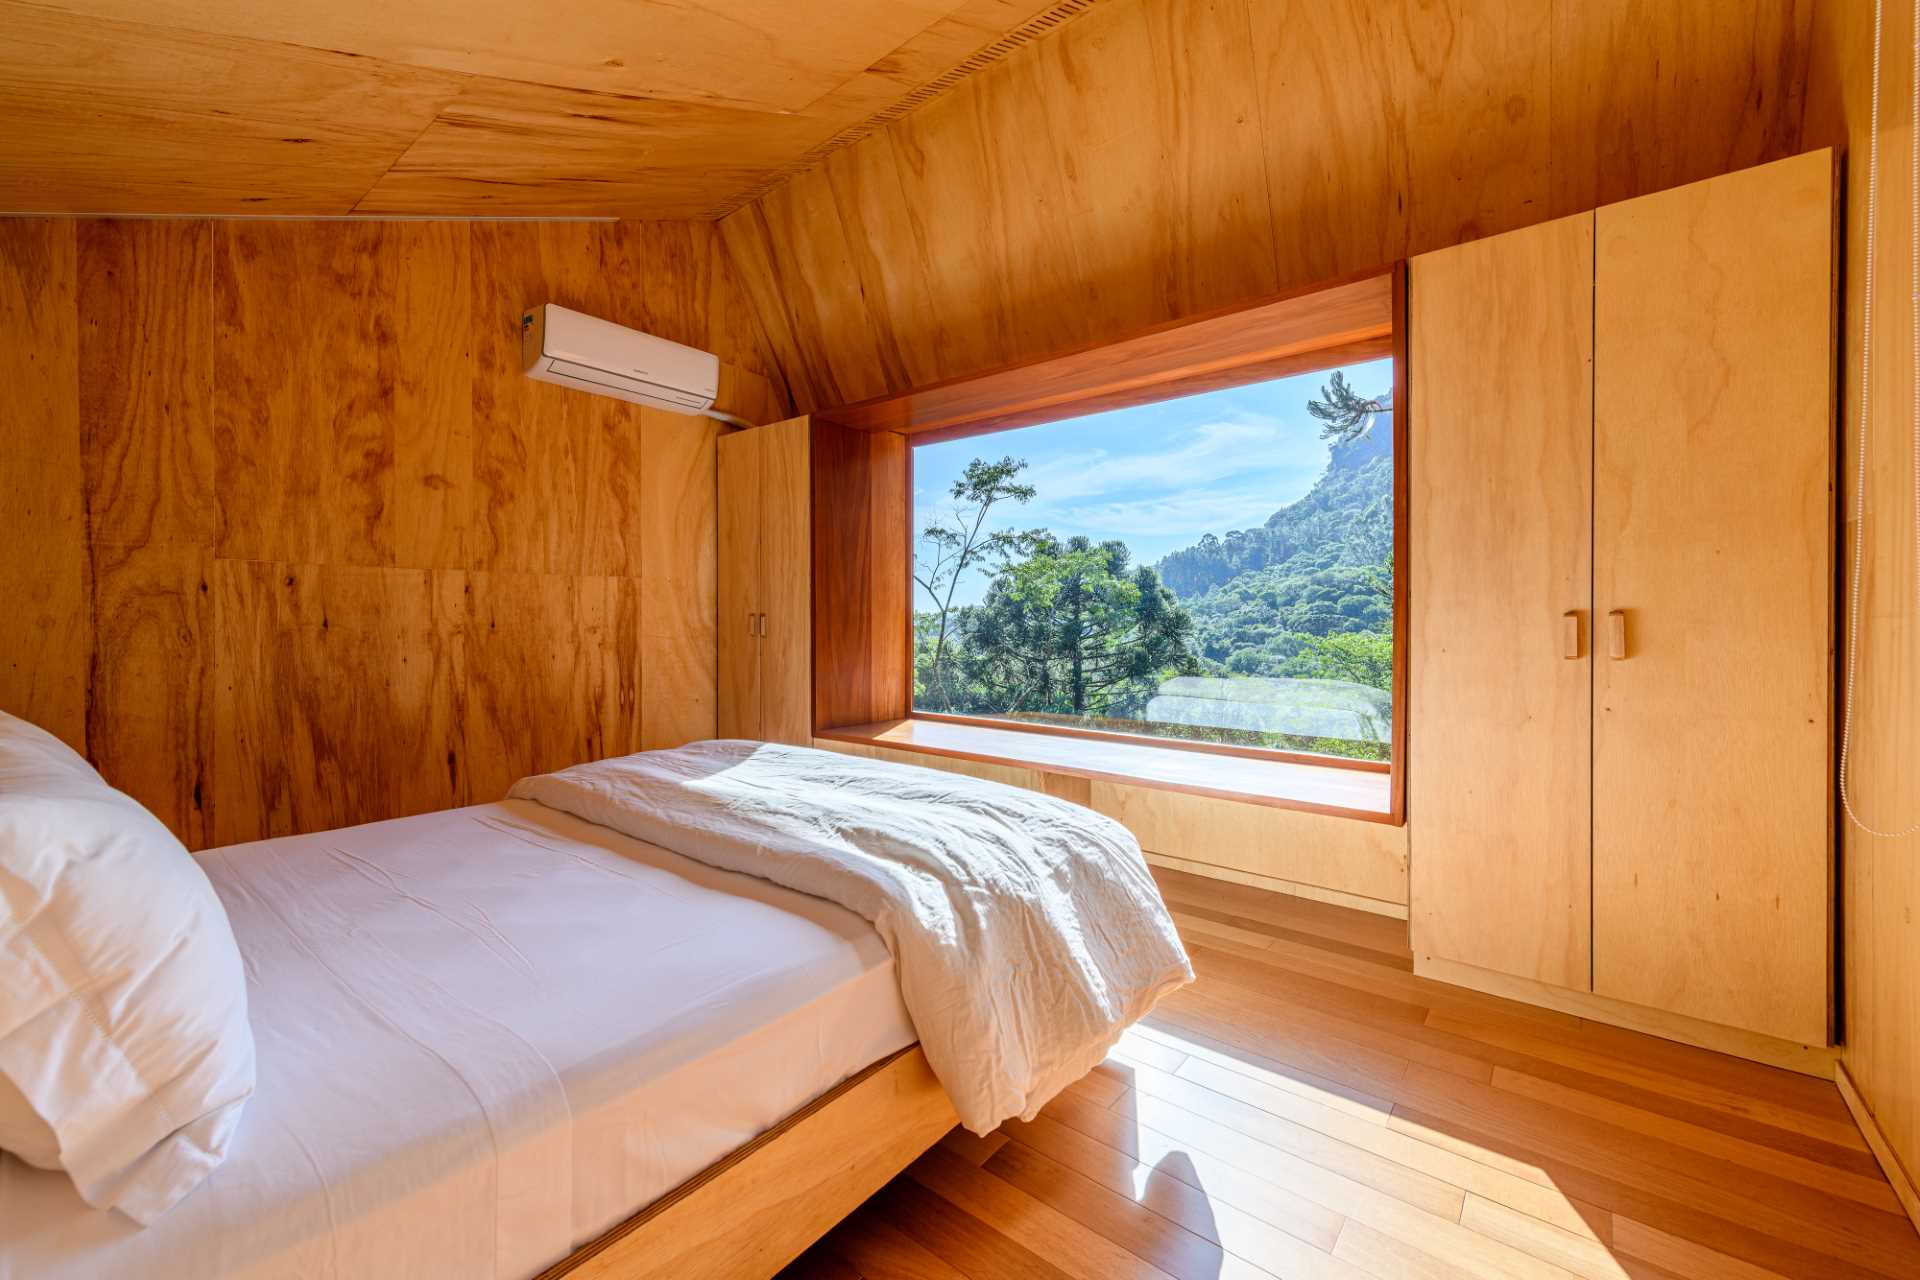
x=123, y=1004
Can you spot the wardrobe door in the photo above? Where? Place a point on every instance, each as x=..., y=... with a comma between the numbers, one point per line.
x=1713, y=587
x=741, y=455
x=786, y=569
x=1498, y=771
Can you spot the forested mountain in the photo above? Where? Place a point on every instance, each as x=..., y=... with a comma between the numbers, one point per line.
x=1320, y=566
x=1075, y=632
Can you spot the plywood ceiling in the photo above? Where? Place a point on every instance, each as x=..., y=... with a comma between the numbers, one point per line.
x=463, y=108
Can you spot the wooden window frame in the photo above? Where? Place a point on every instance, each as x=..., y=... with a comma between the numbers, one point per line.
x=1355, y=318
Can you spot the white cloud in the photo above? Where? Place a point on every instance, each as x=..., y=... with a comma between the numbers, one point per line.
x=1202, y=454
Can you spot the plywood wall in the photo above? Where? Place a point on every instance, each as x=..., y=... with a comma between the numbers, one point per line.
x=288, y=542
x=1880, y=892
x=1159, y=158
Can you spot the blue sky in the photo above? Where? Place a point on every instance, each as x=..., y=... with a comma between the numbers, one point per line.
x=1157, y=477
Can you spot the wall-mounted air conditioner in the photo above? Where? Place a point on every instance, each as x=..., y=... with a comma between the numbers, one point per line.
x=575, y=350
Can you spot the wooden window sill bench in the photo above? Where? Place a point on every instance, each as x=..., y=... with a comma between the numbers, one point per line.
x=1340, y=790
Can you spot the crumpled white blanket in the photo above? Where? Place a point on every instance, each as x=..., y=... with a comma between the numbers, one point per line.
x=1027, y=931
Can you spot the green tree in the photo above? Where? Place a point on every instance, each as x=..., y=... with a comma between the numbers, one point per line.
x=1346, y=415
x=962, y=542
x=1075, y=628
x=1364, y=657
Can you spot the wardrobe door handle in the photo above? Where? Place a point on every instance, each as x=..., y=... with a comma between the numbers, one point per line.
x=750, y=617
x=763, y=626
x=1617, y=634
x=1570, y=634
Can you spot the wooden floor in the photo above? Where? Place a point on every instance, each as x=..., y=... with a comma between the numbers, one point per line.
x=1310, y=1108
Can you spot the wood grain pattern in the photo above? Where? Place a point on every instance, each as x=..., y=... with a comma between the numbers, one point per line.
x=792, y=1183
x=308, y=426
x=1657, y=95
x=679, y=578
x=648, y=109
x=1182, y=173
x=147, y=442
x=750, y=53
x=1368, y=859
x=46, y=632
x=1345, y=321
x=554, y=674
x=259, y=461
x=787, y=628
x=742, y=460
x=766, y=583
x=1808, y=1059
x=862, y=660
x=1500, y=549
x=557, y=471
x=1881, y=890
x=1310, y=1107
x=125, y=117
x=431, y=490
x=150, y=705
x=339, y=696
x=1712, y=525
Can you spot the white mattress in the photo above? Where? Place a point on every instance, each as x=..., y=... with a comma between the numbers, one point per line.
x=484, y=1037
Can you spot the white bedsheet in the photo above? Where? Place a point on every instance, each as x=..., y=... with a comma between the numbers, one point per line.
x=484, y=1037
x=1028, y=931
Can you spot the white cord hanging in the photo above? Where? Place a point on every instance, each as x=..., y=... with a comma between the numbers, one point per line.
x=1866, y=394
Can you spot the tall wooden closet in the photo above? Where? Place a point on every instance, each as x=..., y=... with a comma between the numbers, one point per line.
x=1622, y=610
x=766, y=619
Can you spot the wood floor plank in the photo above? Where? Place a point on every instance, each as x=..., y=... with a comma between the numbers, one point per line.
x=878, y=1250
x=1812, y=1094
x=1779, y=1103
x=1739, y=1151
x=1237, y=1132
x=1683, y=1257
x=1280, y=932
x=1157, y=1052
x=1740, y=1194
x=1193, y=1044
x=1580, y=1250
x=1351, y=1065
x=978, y=1250
x=1379, y=1254
x=1204, y=1194
x=1403, y=984
x=1310, y=1107
x=820, y=1263
x=1712, y=1216
x=1379, y=933
x=971, y=1147
x=1529, y=1192
x=1216, y=963
x=1276, y=1016
x=1490, y=1036
x=1192, y=926
x=1159, y=1240
x=1071, y=1247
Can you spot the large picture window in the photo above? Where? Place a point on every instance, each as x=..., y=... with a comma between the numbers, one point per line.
x=1214, y=568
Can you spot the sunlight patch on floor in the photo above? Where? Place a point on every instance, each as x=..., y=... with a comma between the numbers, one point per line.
x=1265, y=1144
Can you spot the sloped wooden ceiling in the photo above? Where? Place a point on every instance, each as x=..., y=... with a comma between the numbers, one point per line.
x=459, y=108
x=1162, y=158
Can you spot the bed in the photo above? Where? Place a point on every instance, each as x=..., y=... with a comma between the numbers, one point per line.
x=507, y=1041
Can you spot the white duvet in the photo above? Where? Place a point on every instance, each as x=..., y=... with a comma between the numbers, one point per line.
x=1027, y=931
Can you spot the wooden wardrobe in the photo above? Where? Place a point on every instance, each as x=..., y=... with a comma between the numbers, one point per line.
x=1622, y=604
x=766, y=620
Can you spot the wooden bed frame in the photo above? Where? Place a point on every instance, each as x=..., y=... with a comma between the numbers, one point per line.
x=759, y=1208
